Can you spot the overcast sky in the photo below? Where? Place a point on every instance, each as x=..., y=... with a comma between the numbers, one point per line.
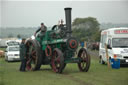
x=32, y=13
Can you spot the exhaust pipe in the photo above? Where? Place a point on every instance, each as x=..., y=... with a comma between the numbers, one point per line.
x=68, y=21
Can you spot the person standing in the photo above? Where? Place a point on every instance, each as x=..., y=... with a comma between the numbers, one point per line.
x=61, y=25
x=23, y=55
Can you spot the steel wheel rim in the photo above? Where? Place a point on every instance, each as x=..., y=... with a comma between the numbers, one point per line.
x=55, y=61
x=32, y=57
x=82, y=64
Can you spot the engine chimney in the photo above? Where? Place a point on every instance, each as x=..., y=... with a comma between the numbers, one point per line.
x=68, y=21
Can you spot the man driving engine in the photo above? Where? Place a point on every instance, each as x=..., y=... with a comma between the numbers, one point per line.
x=42, y=30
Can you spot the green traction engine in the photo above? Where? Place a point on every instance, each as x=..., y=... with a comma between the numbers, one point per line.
x=57, y=48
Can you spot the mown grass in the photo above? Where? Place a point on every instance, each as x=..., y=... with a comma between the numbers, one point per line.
x=2, y=49
x=97, y=75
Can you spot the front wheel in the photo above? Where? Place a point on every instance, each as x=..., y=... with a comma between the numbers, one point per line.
x=84, y=64
x=57, y=61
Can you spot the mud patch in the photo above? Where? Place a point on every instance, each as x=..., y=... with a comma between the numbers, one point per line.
x=77, y=80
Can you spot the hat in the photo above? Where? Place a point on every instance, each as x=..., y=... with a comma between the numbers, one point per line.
x=42, y=23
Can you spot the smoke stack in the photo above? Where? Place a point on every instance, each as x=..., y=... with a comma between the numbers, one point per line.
x=68, y=20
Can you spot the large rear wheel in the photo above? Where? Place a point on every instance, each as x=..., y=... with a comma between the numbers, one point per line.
x=34, y=58
x=57, y=61
x=85, y=60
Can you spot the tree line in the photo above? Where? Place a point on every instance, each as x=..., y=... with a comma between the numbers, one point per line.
x=86, y=29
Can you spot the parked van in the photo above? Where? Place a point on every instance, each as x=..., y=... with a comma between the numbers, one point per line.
x=117, y=44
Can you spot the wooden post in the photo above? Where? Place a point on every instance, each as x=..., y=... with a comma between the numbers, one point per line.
x=85, y=44
x=106, y=49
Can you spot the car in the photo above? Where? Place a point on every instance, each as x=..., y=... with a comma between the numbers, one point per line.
x=12, y=53
x=12, y=43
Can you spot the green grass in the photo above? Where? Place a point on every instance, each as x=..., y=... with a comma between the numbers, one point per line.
x=2, y=49
x=97, y=75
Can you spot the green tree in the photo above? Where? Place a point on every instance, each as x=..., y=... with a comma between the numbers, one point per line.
x=18, y=36
x=86, y=29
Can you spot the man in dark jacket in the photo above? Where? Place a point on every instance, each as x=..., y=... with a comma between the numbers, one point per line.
x=42, y=30
x=23, y=55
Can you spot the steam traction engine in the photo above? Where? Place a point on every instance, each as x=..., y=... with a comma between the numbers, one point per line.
x=57, y=48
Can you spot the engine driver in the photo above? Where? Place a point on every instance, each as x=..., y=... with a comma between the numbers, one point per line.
x=42, y=30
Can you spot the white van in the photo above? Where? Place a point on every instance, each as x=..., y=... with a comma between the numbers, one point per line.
x=117, y=44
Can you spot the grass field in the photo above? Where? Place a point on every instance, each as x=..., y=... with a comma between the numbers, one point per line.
x=2, y=49
x=97, y=75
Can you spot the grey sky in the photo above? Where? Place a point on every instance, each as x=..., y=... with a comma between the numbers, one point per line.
x=32, y=13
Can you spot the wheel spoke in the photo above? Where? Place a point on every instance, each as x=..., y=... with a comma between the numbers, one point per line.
x=33, y=52
x=85, y=59
x=83, y=54
x=34, y=57
x=29, y=61
x=83, y=65
x=57, y=59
